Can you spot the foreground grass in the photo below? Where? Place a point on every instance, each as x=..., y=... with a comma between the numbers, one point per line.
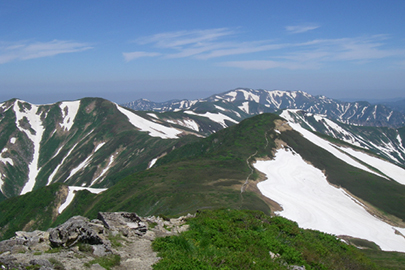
x=242, y=239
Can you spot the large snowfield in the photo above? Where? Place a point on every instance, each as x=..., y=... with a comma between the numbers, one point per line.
x=307, y=198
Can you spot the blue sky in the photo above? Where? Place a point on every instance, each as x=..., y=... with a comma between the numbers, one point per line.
x=161, y=50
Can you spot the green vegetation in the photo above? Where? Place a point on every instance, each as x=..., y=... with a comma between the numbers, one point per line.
x=107, y=261
x=235, y=239
x=116, y=240
x=84, y=247
x=54, y=250
x=34, y=210
x=57, y=265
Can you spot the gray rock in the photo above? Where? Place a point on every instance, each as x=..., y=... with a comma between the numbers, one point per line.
x=41, y=262
x=125, y=222
x=46, y=268
x=32, y=238
x=9, y=262
x=101, y=250
x=97, y=267
x=76, y=229
x=296, y=267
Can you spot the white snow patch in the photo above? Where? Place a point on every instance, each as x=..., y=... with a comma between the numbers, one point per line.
x=1, y=182
x=79, y=167
x=231, y=96
x=244, y=107
x=219, y=108
x=152, y=162
x=154, y=129
x=99, y=146
x=153, y=115
x=188, y=123
x=307, y=198
x=216, y=117
x=250, y=96
x=331, y=148
x=50, y=178
x=68, y=117
x=57, y=152
x=72, y=193
x=13, y=140
x=6, y=160
x=104, y=171
x=35, y=123
x=392, y=171
x=287, y=114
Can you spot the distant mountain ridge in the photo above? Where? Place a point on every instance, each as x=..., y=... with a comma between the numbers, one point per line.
x=253, y=102
x=384, y=141
x=94, y=142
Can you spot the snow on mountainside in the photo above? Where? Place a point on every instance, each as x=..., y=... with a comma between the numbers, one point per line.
x=83, y=143
x=357, y=159
x=384, y=141
x=307, y=198
x=306, y=195
x=252, y=102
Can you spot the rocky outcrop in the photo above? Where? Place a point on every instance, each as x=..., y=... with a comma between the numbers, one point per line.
x=77, y=229
x=123, y=222
x=80, y=241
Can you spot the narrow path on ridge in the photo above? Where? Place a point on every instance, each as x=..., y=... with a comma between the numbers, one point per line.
x=242, y=189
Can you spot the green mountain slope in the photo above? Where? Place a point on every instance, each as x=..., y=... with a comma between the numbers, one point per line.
x=32, y=211
x=216, y=172
x=211, y=172
x=88, y=142
x=208, y=173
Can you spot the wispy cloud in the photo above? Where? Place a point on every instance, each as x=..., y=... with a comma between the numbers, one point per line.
x=134, y=55
x=218, y=43
x=25, y=51
x=203, y=44
x=179, y=39
x=296, y=29
x=269, y=64
x=316, y=53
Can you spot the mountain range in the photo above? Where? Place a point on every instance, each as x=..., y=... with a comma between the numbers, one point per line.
x=252, y=102
x=324, y=169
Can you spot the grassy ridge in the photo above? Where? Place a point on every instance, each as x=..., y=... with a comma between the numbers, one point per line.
x=231, y=239
x=207, y=173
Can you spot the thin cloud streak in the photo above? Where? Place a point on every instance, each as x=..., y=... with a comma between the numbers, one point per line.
x=212, y=44
x=183, y=38
x=268, y=64
x=24, y=51
x=135, y=55
x=296, y=29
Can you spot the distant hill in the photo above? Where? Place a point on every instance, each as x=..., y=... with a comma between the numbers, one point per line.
x=396, y=105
